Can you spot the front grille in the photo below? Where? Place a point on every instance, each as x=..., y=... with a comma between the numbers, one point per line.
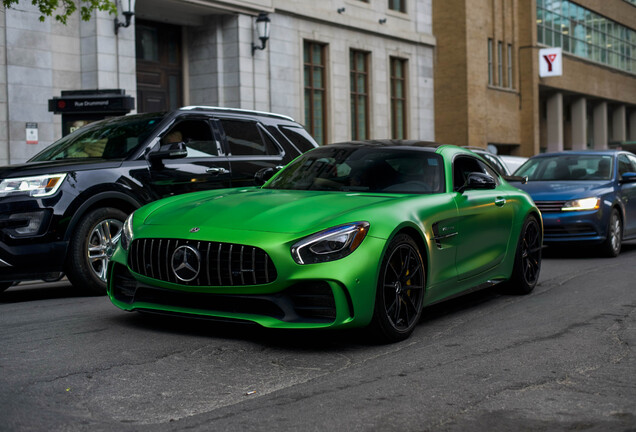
x=550, y=206
x=220, y=264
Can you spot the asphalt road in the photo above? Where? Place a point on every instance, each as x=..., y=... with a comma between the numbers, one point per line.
x=559, y=359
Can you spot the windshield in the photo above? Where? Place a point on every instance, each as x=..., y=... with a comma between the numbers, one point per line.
x=567, y=168
x=110, y=139
x=363, y=169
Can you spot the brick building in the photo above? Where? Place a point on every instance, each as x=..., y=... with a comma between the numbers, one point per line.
x=487, y=84
x=345, y=68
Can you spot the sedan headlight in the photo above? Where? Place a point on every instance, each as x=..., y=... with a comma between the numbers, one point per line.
x=582, y=204
x=36, y=186
x=126, y=233
x=331, y=244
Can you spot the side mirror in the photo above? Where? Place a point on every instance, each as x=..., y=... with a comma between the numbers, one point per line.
x=169, y=151
x=263, y=175
x=478, y=181
x=629, y=177
x=520, y=179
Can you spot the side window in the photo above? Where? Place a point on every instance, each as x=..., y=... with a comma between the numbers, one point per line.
x=495, y=163
x=197, y=136
x=624, y=165
x=632, y=159
x=245, y=138
x=464, y=165
x=299, y=137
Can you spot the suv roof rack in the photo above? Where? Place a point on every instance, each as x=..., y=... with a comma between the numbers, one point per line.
x=236, y=110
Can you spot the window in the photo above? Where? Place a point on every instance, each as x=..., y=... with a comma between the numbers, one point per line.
x=359, y=84
x=490, y=63
x=246, y=138
x=298, y=137
x=315, y=90
x=464, y=165
x=197, y=136
x=398, y=98
x=509, y=58
x=499, y=64
x=587, y=34
x=397, y=5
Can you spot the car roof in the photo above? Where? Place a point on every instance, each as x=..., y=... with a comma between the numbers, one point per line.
x=234, y=111
x=605, y=152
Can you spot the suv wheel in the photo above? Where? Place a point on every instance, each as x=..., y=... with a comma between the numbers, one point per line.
x=90, y=250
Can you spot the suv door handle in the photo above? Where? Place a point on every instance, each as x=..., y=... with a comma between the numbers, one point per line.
x=500, y=202
x=217, y=171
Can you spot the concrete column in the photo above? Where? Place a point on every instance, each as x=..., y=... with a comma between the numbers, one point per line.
x=632, y=126
x=619, y=124
x=555, y=123
x=578, y=113
x=600, y=126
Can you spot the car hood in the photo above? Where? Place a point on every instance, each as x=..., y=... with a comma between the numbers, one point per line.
x=265, y=210
x=56, y=166
x=563, y=190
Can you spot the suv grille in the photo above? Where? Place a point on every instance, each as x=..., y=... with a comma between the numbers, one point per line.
x=217, y=264
x=550, y=206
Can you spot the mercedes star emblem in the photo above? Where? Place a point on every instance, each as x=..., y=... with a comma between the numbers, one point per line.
x=186, y=263
x=195, y=229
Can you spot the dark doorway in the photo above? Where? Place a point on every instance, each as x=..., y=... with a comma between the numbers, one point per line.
x=159, y=82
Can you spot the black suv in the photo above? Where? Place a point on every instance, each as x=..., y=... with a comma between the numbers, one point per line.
x=63, y=210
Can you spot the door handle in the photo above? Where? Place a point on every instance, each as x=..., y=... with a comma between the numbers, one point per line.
x=217, y=170
x=500, y=201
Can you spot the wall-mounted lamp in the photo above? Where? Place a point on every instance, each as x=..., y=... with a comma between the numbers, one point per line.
x=128, y=14
x=340, y=10
x=382, y=20
x=262, y=28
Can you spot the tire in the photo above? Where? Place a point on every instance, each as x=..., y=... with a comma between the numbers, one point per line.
x=400, y=291
x=91, y=247
x=611, y=247
x=527, y=265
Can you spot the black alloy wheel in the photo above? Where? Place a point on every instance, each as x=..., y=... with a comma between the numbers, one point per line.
x=400, y=290
x=527, y=265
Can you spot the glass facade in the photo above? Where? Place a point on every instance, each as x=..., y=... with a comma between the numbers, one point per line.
x=359, y=85
x=584, y=33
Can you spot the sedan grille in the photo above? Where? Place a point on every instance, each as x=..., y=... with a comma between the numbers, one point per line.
x=200, y=263
x=550, y=206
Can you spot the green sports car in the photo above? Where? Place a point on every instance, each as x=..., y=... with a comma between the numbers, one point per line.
x=347, y=235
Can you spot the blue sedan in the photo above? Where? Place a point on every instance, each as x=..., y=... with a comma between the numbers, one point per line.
x=584, y=196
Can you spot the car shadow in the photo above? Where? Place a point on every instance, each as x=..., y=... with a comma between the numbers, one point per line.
x=34, y=291
x=583, y=252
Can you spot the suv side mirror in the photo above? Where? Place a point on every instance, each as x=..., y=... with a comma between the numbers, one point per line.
x=169, y=151
x=263, y=175
x=478, y=181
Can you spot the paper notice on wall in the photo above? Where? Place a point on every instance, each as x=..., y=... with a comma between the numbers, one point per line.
x=31, y=133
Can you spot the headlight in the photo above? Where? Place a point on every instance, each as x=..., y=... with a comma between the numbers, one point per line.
x=331, y=244
x=36, y=186
x=126, y=232
x=582, y=204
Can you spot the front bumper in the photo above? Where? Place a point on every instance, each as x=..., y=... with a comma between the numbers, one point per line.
x=577, y=226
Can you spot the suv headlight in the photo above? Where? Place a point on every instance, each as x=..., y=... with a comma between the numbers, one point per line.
x=582, y=204
x=331, y=244
x=126, y=233
x=36, y=186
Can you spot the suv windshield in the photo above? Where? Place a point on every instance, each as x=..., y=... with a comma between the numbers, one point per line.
x=363, y=170
x=110, y=139
x=567, y=168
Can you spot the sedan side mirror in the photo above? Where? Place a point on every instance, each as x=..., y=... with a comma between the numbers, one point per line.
x=169, y=151
x=478, y=181
x=263, y=175
x=628, y=177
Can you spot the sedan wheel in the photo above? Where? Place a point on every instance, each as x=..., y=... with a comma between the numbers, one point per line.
x=612, y=245
x=90, y=251
x=400, y=290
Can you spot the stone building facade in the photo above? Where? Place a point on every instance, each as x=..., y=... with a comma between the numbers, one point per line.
x=347, y=68
x=488, y=90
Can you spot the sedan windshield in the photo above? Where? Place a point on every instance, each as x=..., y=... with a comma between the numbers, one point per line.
x=567, y=168
x=363, y=169
x=111, y=139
